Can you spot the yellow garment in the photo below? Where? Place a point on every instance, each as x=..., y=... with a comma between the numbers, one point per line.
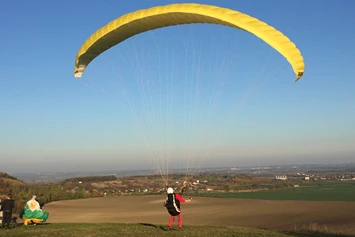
x=144, y=20
x=36, y=221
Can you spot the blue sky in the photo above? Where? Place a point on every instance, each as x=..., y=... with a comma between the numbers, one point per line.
x=51, y=121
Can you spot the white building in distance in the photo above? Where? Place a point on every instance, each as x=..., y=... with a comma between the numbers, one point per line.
x=281, y=177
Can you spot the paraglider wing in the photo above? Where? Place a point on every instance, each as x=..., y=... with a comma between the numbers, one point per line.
x=141, y=21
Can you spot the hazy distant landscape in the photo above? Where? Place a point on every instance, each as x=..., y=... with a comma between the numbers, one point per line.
x=319, y=169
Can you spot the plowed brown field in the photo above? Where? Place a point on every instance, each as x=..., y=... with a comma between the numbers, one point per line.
x=280, y=215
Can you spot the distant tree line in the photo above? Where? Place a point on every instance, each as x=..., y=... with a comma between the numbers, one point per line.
x=91, y=179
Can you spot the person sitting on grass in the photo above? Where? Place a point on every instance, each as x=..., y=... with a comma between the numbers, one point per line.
x=33, y=211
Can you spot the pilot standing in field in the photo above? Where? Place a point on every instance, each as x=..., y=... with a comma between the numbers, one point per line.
x=173, y=205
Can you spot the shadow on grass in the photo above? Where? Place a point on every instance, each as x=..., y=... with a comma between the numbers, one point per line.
x=152, y=225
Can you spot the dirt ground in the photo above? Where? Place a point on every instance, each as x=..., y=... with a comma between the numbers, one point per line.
x=280, y=215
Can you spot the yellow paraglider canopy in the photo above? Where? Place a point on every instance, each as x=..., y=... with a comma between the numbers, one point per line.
x=144, y=20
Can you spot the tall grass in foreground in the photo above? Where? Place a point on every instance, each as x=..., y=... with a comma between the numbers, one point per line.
x=129, y=230
x=322, y=229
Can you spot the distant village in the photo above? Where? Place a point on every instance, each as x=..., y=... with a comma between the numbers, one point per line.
x=314, y=177
x=209, y=183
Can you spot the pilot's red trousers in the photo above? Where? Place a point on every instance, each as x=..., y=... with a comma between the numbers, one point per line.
x=172, y=219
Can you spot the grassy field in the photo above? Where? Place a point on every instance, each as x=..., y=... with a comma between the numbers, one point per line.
x=129, y=230
x=332, y=191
